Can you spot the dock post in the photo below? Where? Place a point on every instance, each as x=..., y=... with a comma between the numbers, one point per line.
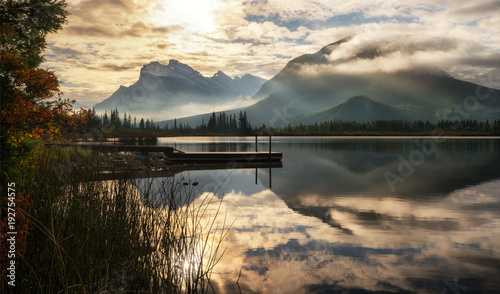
x=270, y=178
x=256, y=143
x=269, y=146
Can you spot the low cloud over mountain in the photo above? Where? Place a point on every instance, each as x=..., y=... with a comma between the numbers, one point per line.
x=176, y=90
x=395, y=73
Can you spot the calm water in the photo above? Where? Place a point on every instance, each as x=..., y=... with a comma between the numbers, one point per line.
x=358, y=215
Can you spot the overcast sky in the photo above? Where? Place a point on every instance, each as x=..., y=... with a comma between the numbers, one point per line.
x=105, y=42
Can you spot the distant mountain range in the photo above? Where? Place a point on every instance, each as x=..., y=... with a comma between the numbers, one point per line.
x=169, y=87
x=309, y=90
x=313, y=88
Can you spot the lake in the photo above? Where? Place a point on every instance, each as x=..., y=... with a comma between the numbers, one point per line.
x=357, y=215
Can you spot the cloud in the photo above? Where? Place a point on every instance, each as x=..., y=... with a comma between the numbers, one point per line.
x=115, y=67
x=65, y=51
x=491, y=24
x=90, y=31
x=192, y=108
x=322, y=10
x=104, y=39
x=491, y=60
x=390, y=47
x=161, y=45
x=140, y=29
x=474, y=10
x=94, y=10
x=137, y=29
x=263, y=33
x=280, y=248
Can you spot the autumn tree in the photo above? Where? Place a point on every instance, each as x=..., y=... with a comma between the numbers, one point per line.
x=30, y=99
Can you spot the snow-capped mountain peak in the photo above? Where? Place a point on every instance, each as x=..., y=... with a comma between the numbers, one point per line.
x=222, y=77
x=167, y=87
x=174, y=69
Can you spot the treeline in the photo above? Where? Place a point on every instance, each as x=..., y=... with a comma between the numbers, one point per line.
x=390, y=127
x=115, y=124
x=222, y=124
x=226, y=124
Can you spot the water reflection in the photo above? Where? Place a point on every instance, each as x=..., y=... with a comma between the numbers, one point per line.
x=331, y=222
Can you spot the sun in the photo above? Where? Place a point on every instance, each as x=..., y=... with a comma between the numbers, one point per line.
x=198, y=16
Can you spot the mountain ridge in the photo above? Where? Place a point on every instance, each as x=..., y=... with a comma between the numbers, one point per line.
x=316, y=83
x=422, y=92
x=172, y=87
x=357, y=108
x=426, y=91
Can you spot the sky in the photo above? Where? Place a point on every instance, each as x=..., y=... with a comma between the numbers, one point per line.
x=104, y=44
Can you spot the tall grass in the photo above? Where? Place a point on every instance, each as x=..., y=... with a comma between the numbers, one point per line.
x=121, y=236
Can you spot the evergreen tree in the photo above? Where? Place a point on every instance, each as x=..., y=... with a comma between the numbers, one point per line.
x=105, y=119
x=125, y=121
x=212, y=123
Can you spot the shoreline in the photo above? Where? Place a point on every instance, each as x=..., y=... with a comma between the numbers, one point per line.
x=148, y=138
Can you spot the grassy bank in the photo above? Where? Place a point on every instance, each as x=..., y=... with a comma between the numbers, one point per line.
x=79, y=234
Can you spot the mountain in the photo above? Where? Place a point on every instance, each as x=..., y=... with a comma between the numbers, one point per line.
x=315, y=82
x=318, y=82
x=358, y=108
x=169, y=88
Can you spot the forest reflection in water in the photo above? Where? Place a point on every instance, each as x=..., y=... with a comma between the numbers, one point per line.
x=359, y=215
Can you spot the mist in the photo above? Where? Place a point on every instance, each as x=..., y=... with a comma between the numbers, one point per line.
x=391, y=48
x=184, y=110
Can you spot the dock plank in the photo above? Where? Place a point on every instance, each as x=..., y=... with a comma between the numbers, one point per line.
x=179, y=156
x=225, y=156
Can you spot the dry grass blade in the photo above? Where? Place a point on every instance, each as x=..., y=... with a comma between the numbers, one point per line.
x=127, y=235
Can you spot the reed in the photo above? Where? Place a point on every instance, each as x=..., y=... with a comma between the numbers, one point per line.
x=128, y=235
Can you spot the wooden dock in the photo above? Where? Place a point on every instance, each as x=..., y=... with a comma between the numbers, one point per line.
x=118, y=148
x=170, y=172
x=221, y=157
x=176, y=156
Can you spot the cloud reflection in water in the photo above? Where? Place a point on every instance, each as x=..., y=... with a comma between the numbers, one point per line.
x=331, y=225
x=394, y=245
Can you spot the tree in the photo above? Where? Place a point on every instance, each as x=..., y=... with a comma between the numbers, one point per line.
x=30, y=98
x=115, y=120
x=212, y=123
x=105, y=119
x=30, y=22
x=126, y=123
